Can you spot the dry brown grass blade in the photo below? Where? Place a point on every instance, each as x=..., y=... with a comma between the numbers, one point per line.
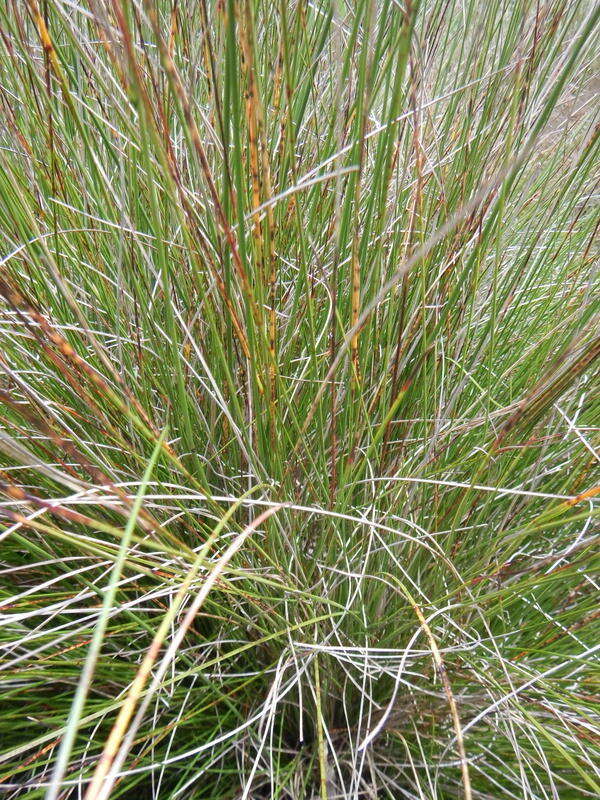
x=550, y=388
x=260, y=173
x=443, y=674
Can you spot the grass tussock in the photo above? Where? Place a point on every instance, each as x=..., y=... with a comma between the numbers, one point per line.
x=299, y=399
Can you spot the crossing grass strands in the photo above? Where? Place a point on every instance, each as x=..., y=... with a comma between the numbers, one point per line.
x=299, y=408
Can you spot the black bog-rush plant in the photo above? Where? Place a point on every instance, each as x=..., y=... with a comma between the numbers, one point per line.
x=299, y=409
